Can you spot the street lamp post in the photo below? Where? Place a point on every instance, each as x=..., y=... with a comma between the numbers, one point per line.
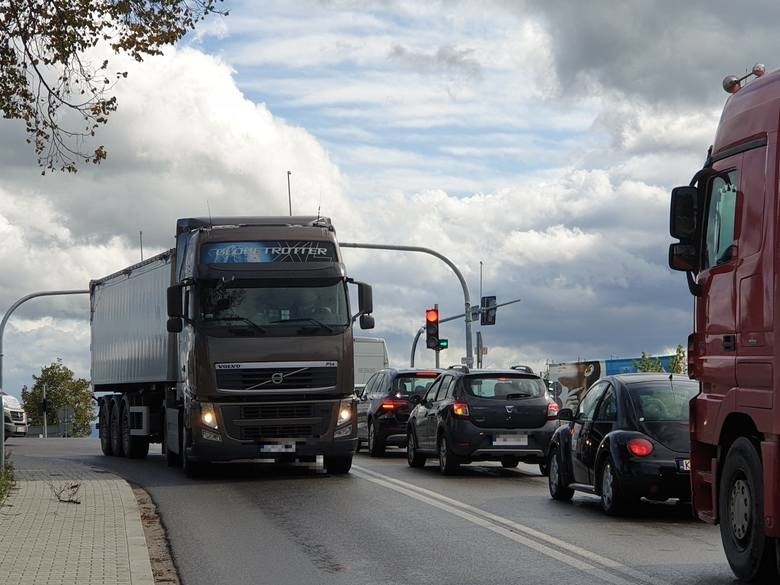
x=289, y=194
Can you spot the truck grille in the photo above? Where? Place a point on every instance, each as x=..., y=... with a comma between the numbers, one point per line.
x=275, y=379
x=276, y=432
x=17, y=416
x=272, y=411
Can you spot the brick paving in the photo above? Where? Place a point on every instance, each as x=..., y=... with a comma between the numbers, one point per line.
x=47, y=542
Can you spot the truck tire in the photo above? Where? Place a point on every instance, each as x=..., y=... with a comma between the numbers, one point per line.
x=116, y=427
x=749, y=551
x=104, y=416
x=134, y=447
x=337, y=464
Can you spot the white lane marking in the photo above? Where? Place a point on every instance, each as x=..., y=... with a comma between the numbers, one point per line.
x=635, y=575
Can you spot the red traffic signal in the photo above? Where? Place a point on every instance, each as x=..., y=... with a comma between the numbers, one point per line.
x=432, y=329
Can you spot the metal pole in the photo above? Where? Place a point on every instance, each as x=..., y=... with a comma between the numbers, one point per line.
x=289, y=195
x=21, y=301
x=2, y=437
x=448, y=262
x=141, y=239
x=479, y=350
x=45, y=415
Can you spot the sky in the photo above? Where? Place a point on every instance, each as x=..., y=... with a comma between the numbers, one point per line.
x=539, y=138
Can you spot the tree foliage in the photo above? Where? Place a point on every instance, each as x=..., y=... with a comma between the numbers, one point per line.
x=46, y=72
x=62, y=388
x=647, y=363
x=679, y=362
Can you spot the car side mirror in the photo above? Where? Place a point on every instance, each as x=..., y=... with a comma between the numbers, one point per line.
x=683, y=257
x=174, y=325
x=415, y=399
x=566, y=414
x=365, y=299
x=367, y=321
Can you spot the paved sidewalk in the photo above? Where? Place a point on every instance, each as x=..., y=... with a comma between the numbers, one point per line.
x=47, y=542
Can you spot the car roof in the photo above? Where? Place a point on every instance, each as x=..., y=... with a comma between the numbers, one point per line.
x=506, y=372
x=413, y=370
x=639, y=377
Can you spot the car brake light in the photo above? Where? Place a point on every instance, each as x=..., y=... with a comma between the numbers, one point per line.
x=552, y=411
x=460, y=409
x=640, y=447
x=392, y=404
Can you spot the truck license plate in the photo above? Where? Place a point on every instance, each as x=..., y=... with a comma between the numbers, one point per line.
x=516, y=439
x=684, y=465
x=278, y=448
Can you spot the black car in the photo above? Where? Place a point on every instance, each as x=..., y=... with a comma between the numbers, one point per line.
x=383, y=406
x=628, y=439
x=482, y=415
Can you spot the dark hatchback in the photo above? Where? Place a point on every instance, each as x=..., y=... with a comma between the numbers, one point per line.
x=482, y=415
x=628, y=439
x=383, y=406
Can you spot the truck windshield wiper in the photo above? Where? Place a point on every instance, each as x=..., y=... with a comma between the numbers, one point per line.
x=316, y=322
x=249, y=322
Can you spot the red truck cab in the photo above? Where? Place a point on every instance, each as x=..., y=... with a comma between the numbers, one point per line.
x=726, y=222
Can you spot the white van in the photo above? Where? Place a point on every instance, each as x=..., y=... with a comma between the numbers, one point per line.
x=370, y=356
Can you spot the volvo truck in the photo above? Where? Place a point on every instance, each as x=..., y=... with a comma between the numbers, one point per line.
x=234, y=345
x=727, y=223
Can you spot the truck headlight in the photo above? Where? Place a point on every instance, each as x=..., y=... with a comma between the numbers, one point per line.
x=345, y=412
x=208, y=415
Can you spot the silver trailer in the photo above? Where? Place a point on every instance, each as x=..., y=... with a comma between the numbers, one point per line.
x=236, y=344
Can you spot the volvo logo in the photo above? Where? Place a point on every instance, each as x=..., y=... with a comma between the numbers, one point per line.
x=277, y=377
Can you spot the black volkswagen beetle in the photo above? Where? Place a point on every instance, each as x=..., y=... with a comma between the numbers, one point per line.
x=628, y=439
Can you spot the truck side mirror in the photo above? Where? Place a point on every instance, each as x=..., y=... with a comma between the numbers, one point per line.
x=175, y=306
x=365, y=300
x=683, y=257
x=684, y=212
x=174, y=325
x=367, y=321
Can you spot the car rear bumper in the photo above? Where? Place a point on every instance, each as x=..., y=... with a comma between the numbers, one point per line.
x=474, y=443
x=655, y=479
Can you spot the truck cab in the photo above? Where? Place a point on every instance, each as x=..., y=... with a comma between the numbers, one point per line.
x=726, y=223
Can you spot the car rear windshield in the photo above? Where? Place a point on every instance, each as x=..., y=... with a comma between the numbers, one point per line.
x=413, y=383
x=504, y=387
x=662, y=400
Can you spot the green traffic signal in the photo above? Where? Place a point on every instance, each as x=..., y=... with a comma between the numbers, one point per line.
x=444, y=343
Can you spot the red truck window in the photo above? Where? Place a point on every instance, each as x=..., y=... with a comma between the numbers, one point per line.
x=721, y=212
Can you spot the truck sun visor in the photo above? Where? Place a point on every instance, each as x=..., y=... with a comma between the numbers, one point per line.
x=268, y=252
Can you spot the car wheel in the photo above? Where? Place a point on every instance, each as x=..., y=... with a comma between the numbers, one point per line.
x=448, y=463
x=509, y=462
x=559, y=490
x=376, y=448
x=413, y=456
x=613, y=500
x=749, y=551
x=105, y=428
x=337, y=465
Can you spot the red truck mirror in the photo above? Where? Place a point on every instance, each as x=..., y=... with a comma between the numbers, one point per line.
x=683, y=213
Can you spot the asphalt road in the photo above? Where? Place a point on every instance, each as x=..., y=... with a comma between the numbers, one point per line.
x=388, y=524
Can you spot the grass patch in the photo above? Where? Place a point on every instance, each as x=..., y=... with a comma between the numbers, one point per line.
x=6, y=481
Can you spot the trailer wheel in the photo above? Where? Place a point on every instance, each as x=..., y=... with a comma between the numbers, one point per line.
x=116, y=427
x=134, y=447
x=105, y=428
x=749, y=551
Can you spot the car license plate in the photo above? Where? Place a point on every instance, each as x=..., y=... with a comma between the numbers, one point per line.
x=507, y=440
x=278, y=448
x=684, y=465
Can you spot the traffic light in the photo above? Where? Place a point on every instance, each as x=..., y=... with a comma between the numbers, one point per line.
x=443, y=344
x=432, y=329
x=488, y=313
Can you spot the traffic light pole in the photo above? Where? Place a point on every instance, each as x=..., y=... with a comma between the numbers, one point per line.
x=8, y=313
x=448, y=262
x=436, y=306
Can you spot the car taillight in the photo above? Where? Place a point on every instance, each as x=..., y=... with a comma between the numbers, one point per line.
x=460, y=409
x=640, y=447
x=392, y=404
x=552, y=411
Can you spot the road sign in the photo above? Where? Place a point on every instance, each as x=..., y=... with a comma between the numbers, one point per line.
x=488, y=312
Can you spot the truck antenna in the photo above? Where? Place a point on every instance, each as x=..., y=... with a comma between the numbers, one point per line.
x=141, y=239
x=211, y=221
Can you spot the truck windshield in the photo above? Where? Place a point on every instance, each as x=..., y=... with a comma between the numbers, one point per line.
x=273, y=310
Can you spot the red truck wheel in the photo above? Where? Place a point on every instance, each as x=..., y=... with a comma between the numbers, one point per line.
x=749, y=551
